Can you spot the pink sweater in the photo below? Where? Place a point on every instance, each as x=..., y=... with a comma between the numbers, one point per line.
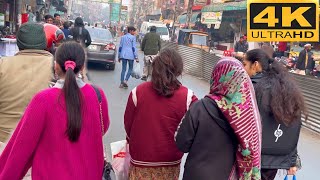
x=40, y=140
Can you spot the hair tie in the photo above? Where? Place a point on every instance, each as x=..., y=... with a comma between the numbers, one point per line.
x=69, y=64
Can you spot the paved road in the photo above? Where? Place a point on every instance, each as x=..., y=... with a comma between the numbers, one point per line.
x=309, y=145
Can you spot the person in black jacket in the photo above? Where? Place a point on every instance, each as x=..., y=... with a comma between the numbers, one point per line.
x=281, y=105
x=222, y=132
x=80, y=34
x=305, y=61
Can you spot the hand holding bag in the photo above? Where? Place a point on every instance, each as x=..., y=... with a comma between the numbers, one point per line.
x=107, y=168
x=136, y=72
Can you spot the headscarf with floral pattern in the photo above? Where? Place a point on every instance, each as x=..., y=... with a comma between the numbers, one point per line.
x=234, y=94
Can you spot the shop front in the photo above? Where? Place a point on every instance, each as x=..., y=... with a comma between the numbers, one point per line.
x=226, y=23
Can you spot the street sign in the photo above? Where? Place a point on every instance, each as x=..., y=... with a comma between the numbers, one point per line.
x=289, y=20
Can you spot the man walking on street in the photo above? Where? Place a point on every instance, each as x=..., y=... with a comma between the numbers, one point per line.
x=305, y=62
x=48, y=19
x=57, y=20
x=151, y=45
x=241, y=45
x=127, y=54
x=23, y=75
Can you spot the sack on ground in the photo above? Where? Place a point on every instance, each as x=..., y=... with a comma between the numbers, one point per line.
x=121, y=159
x=136, y=72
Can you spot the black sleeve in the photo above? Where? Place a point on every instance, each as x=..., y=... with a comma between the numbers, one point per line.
x=294, y=158
x=143, y=43
x=236, y=47
x=186, y=132
x=159, y=43
x=88, y=38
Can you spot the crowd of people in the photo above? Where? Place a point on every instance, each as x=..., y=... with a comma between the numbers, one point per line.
x=247, y=127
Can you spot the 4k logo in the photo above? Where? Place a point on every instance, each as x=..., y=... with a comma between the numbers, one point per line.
x=289, y=20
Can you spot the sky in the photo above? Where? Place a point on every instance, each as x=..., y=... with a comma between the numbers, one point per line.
x=125, y=1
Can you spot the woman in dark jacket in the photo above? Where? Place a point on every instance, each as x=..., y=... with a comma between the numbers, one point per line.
x=281, y=104
x=222, y=131
x=80, y=34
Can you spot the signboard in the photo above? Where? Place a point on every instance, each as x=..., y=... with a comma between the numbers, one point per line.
x=211, y=17
x=2, y=19
x=200, y=2
x=124, y=16
x=115, y=12
x=124, y=8
x=290, y=20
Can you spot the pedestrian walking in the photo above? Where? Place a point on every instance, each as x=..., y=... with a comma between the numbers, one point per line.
x=241, y=45
x=66, y=30
x=48, y=19
x=281, y=105
x=60, y=133
x=282, y=48
x=153, y=113
x=127, y=55
x=23, y=75
x=57, y=20
x=222, y=132
x=81, y=35
x=305, y=63
x=151, y=45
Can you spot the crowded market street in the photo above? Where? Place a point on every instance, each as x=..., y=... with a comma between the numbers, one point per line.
x=308, y=147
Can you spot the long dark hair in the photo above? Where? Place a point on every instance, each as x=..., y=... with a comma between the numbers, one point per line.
x=72, y=51
x=78, y=22
x=166, y=68
x=286, y=101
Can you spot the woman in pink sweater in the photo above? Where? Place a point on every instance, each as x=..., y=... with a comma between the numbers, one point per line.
x=59, y=135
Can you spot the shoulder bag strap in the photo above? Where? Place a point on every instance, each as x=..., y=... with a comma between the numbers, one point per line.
x=189, y=98
x=101, y=117
x=134, y=96
x=100, y=108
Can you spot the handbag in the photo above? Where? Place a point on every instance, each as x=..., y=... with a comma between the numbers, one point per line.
x=293, y=177
x=108, y=171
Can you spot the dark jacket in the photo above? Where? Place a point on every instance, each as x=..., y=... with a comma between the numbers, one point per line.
x=210, y=141
x=241, y=47
x=66, y=33
x=281, y=152
x=301, y=64
x=81, y=35
x=151, y=43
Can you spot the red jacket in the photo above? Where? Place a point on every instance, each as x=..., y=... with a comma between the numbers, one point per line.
x=151, y=124
x=282, y=46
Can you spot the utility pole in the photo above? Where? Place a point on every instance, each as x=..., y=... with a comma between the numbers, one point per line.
x=189, y=12
x=18, y=13
x=70, y=4
x=174, y=19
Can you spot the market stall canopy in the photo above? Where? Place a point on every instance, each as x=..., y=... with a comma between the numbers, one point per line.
x=230, y=6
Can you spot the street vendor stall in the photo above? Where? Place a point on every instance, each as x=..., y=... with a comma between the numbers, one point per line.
x=8, y=47
x=228, y=21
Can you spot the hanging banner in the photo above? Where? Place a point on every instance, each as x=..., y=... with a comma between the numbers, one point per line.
x=2, y=20
x=211, y=17
x=115, y=12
